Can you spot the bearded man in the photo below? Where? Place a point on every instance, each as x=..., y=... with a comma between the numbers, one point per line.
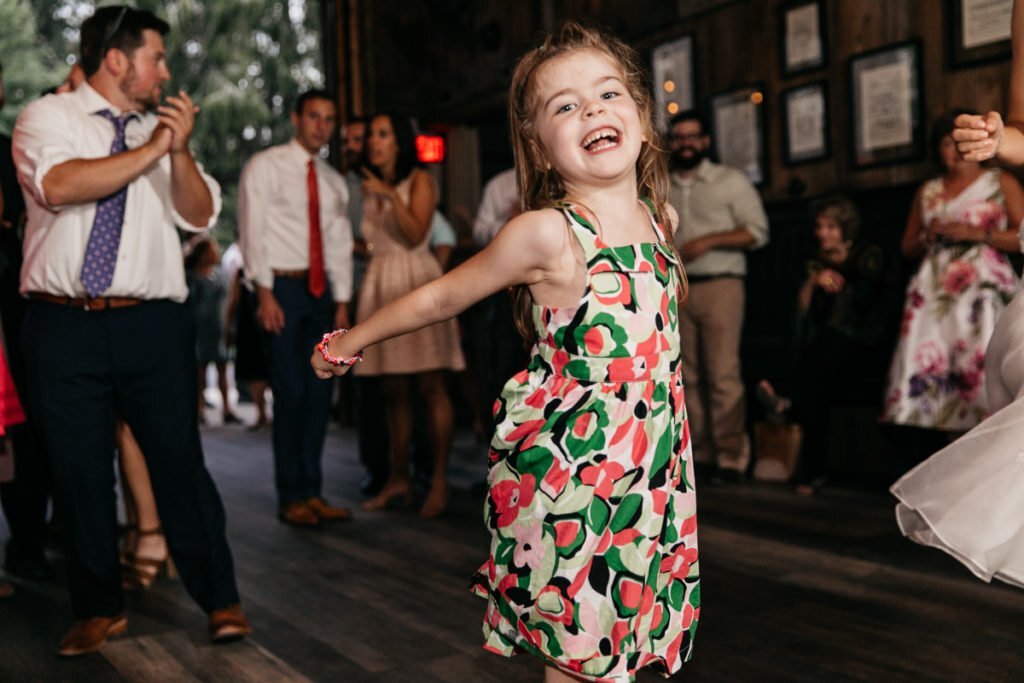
x=720, y=217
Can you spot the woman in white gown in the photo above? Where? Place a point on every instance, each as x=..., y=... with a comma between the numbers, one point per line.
x=968, y=499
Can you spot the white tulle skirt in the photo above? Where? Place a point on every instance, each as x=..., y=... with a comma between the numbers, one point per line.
x=968, y=499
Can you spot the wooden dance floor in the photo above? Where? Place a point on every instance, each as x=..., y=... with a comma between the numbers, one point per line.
x=794, y=589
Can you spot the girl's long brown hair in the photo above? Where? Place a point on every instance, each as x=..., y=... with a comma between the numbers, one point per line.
x=540, y=186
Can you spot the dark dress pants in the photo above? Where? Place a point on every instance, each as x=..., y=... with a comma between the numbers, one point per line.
x=139, y=363
x=302, y=403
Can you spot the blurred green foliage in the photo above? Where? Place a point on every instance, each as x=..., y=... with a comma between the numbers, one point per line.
x=243, y=61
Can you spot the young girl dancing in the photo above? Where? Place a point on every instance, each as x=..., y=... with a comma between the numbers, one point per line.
x=591, y=505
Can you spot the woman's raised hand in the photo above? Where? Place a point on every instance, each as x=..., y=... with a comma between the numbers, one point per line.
x=374, y=186
x=978, y=137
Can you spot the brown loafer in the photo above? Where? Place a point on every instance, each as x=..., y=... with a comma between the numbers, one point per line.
x=327, y=512
x=90, y=635
x=228, y=625
x=298, y=514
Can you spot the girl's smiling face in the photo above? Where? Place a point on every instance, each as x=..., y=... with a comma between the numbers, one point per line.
x=587, y=123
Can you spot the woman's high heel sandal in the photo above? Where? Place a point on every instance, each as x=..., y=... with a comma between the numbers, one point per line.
x=391, y=494
x=139, y=572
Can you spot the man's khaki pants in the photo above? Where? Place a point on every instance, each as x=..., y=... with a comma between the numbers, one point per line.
x=710, y=323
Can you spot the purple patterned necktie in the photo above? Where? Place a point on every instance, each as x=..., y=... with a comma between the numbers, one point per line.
x=105, y=236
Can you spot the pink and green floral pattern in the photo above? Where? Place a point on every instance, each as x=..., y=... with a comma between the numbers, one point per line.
x=591, y=503
x=953, y=302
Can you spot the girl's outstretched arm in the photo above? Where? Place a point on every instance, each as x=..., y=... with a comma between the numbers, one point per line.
x=528, y=250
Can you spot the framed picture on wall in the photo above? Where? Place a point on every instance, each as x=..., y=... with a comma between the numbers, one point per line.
x=672, y=71
x=886, y=105
x=805, y=124
x=737, y=121
x=979, y=31
x=804, y=45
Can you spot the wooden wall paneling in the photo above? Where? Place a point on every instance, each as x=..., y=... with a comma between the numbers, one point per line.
x=371, y=55
x=628, y=19
x=346, y=74
x=463, y=184
x=449, y=61
x=878, y=25
x=354, y=28
x=818, y=176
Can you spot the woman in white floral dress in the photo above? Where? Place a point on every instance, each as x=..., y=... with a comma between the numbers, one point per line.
x=962, y=223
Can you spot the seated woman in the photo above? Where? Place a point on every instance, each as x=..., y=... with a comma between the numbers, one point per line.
x=843, y=314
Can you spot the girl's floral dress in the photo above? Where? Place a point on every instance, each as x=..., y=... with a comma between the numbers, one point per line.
x=953, y=302
x=591, y=504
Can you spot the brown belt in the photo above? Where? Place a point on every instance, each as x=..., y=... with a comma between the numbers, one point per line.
x=101, y=303
x=297, y=274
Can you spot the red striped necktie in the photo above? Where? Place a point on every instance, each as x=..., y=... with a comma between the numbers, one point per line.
x=317, y=279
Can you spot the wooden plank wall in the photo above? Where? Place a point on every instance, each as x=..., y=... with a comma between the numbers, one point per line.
x=739, y=44
x=449, y=62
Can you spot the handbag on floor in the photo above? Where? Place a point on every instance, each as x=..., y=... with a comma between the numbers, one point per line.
x=777, y=447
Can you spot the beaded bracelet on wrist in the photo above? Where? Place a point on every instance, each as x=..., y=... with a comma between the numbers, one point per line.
x=335, y=360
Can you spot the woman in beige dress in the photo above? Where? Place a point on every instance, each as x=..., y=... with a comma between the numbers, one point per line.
x=399, y=200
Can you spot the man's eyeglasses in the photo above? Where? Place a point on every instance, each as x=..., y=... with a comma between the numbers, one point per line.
x=112, y=31
x=686, y=137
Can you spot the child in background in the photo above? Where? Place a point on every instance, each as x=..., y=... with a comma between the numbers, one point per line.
x=591, y=505
x=207, y=291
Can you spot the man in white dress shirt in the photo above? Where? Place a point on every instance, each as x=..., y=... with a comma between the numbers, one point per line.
x=499, y=205
x=297, y=245
x=108, y=178
x=721, y=217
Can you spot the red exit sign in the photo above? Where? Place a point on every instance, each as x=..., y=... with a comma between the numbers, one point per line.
x=430, y=149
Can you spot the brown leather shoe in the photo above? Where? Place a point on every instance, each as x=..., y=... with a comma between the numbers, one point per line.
x=326, y=512
x=228, y=625
x=298, y=514
x=90, y=635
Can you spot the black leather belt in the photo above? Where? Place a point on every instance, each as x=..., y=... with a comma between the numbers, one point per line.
x=100, y=303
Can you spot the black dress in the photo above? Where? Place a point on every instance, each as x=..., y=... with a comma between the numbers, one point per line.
x=841, y=355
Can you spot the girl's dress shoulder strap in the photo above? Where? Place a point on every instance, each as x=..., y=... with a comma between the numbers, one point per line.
x=660, y=229
x=582, y=227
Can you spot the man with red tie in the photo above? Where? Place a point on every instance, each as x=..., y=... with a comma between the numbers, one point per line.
x=296, y=239
x=108, y=179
